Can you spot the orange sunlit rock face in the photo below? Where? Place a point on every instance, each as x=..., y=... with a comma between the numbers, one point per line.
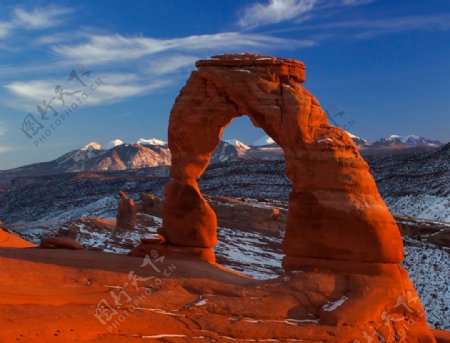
x=335, y=210
x=8, y=240
x=126, y=214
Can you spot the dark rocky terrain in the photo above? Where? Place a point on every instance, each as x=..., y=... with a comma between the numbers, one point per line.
x=406, y=181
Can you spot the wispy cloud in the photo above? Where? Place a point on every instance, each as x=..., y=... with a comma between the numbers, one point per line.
x=275, y=11
x=297, y=11
x=101, y=49
x=168, y=56
x=5, y=28
x=172, y=64
x=114, y=88
x=39, y=18
x=33, y=19
x=4, y=149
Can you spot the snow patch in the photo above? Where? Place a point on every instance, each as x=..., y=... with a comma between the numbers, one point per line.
x=424, y=206
x=265, y=140
x=151, y=141
x=91, y=146
x=333, y=305
x=237, y=144
x=114, y=143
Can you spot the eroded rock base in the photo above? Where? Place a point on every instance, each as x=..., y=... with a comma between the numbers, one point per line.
x=188, y=300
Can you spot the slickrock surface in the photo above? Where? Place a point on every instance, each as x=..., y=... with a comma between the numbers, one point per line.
x=8, y=240
x=165, y=299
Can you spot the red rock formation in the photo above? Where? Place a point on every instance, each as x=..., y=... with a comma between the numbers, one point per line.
x=339, y=232
x=150, y=203
x=335, y=210
x=231, y=213
x=126, y=214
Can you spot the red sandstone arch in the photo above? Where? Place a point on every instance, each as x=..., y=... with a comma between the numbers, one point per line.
x=335, y=209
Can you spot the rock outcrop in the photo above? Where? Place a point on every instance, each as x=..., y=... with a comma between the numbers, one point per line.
x=126, y=214
x=60, y=243
x=339, y=233
x=335, y=210
x=9, y=240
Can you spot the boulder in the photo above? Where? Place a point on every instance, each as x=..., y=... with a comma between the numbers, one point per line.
x=60, y=243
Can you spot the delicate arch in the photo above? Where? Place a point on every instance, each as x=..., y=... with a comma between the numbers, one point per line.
x=335, y=209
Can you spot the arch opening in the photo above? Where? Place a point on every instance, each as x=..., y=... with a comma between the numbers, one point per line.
x=250, y=206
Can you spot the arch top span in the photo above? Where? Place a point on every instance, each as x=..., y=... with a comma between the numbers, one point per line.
x=292, y=69
x=335, y=209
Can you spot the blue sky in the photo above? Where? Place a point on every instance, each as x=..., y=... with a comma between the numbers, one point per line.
x=385, y=64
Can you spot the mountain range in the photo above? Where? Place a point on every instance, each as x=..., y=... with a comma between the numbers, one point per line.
x=144, y=153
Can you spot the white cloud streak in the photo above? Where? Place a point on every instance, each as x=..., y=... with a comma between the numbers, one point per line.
x=102, y=49
x=4, y=149
x=113, y=88
x=5, y=28
x=278, y=11
x=168, y=56
x=33, y=19
x=172, y=64
x=275, y=11
x=39, y=18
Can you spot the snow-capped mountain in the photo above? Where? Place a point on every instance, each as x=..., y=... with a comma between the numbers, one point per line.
x=114, y=143
x=93, y=157
x=116, y=155
x=151, y=141
x=264, y=141
x=397, y=141
x=229, y=151
x=358, y=140
x=91, y=147
x=237, y=144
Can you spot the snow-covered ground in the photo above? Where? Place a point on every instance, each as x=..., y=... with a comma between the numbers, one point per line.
x=105, y=208
x=421, y=206
x=428, y=267
x=250, y=253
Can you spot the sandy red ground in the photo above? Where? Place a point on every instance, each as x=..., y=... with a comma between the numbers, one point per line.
x=53, y=295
